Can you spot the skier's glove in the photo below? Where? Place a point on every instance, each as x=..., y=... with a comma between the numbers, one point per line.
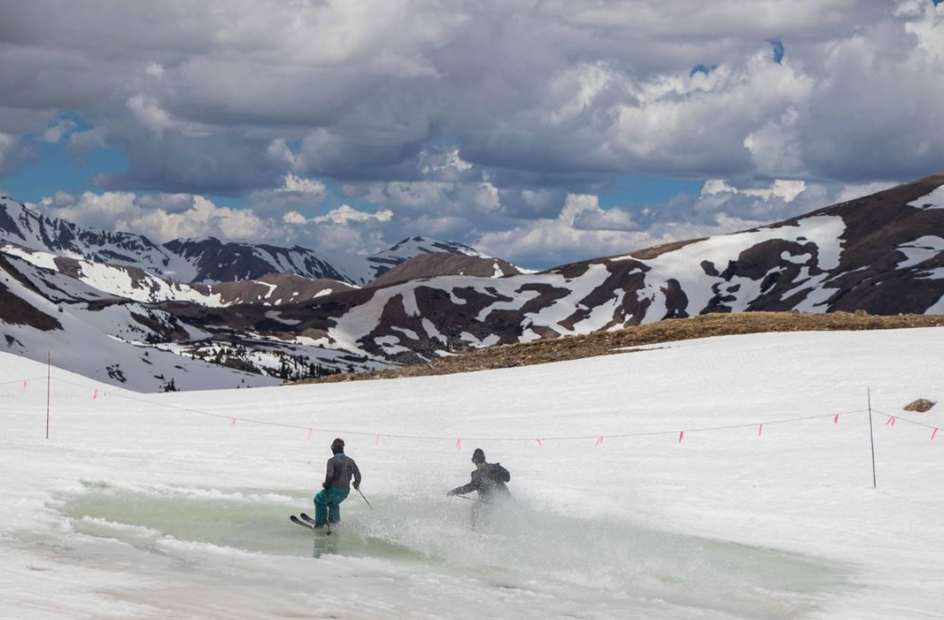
x=452, y=492
x=356, y=485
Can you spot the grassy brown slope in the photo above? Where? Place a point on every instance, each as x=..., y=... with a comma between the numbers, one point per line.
x=605, y=343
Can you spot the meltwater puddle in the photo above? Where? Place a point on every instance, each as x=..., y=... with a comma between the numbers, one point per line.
x=246, y=519
x=519, y=547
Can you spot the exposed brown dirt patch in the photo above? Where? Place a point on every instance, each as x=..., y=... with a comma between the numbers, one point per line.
x=921, y=405
x=704, y=326
x=659, y=250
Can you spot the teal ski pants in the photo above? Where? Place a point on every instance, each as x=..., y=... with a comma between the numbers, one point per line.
x=328, y=505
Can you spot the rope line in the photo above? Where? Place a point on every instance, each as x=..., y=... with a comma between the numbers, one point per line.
x=898, y=417
x=19, y=381
x=453, y=437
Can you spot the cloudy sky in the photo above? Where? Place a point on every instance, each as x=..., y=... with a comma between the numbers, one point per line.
x=542, y=131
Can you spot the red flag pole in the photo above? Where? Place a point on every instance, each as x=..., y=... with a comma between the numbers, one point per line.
x=48, y=388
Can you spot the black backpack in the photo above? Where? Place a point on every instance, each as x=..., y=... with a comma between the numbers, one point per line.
x=499, y=473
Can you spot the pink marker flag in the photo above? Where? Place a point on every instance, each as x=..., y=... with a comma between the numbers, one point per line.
x=599, y=441
x=233, y=422
x=24, y=384
x=95, y=395
x=836, y=419
x=540, y=442
x=681, y=436
x=458, y=444
x=310, y=431
x=934, y=434
x=891, y=421
x=760, y=430
x=378, y=440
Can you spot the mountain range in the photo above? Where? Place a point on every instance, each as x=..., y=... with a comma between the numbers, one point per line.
x=882, y=253
x=202, y=260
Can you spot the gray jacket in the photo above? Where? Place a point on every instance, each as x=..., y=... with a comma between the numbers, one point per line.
x=341, y=469
x=489, y=482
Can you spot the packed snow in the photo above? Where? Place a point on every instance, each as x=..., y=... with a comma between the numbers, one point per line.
x=934, y=200
x=921, y=249
x=176, y=505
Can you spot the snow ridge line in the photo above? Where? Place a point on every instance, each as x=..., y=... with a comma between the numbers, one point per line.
x=235, y=419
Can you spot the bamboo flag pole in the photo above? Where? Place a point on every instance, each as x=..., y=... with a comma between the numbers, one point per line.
x=872, y=438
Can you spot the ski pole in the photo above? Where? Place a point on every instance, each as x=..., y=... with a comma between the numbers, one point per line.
x=473, y=499
x=365, y=499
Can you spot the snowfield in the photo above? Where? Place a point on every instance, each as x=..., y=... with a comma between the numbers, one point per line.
x=173, y=506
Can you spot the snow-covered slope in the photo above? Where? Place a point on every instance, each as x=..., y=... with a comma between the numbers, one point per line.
x=116, y=280
x=144, y=346
x=44, y=314
x=137, y=285
x=160, y=506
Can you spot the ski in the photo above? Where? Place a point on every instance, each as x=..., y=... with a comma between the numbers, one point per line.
x=298, y=521
x=308, y=519
x=309, y=523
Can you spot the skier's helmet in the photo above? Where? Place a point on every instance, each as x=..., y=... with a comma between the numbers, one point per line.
x=337, y=446
x=478, y=456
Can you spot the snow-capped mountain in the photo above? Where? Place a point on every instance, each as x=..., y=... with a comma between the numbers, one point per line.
x=882, y=253
x=203, y=260
x=24, y=227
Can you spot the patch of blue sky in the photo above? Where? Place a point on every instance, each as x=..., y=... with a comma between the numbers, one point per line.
x=234, y=202
x=706, y=69
x=778, y=48
x=633, y=191
x=52, y=169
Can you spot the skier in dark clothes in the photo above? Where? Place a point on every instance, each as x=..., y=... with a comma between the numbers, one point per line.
x=337, y=485
x=488, y=480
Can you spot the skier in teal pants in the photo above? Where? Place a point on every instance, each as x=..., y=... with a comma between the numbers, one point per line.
x=337, y=485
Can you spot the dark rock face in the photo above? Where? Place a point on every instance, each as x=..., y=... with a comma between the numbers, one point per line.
x=16, y=311
x=216, y=261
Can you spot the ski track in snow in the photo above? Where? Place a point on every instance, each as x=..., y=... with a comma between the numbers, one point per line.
x=136, y=508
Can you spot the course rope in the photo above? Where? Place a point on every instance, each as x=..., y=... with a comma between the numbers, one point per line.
x=597, y=437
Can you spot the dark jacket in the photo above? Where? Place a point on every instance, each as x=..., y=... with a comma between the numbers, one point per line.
x=339, y=472
x=489, y=482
